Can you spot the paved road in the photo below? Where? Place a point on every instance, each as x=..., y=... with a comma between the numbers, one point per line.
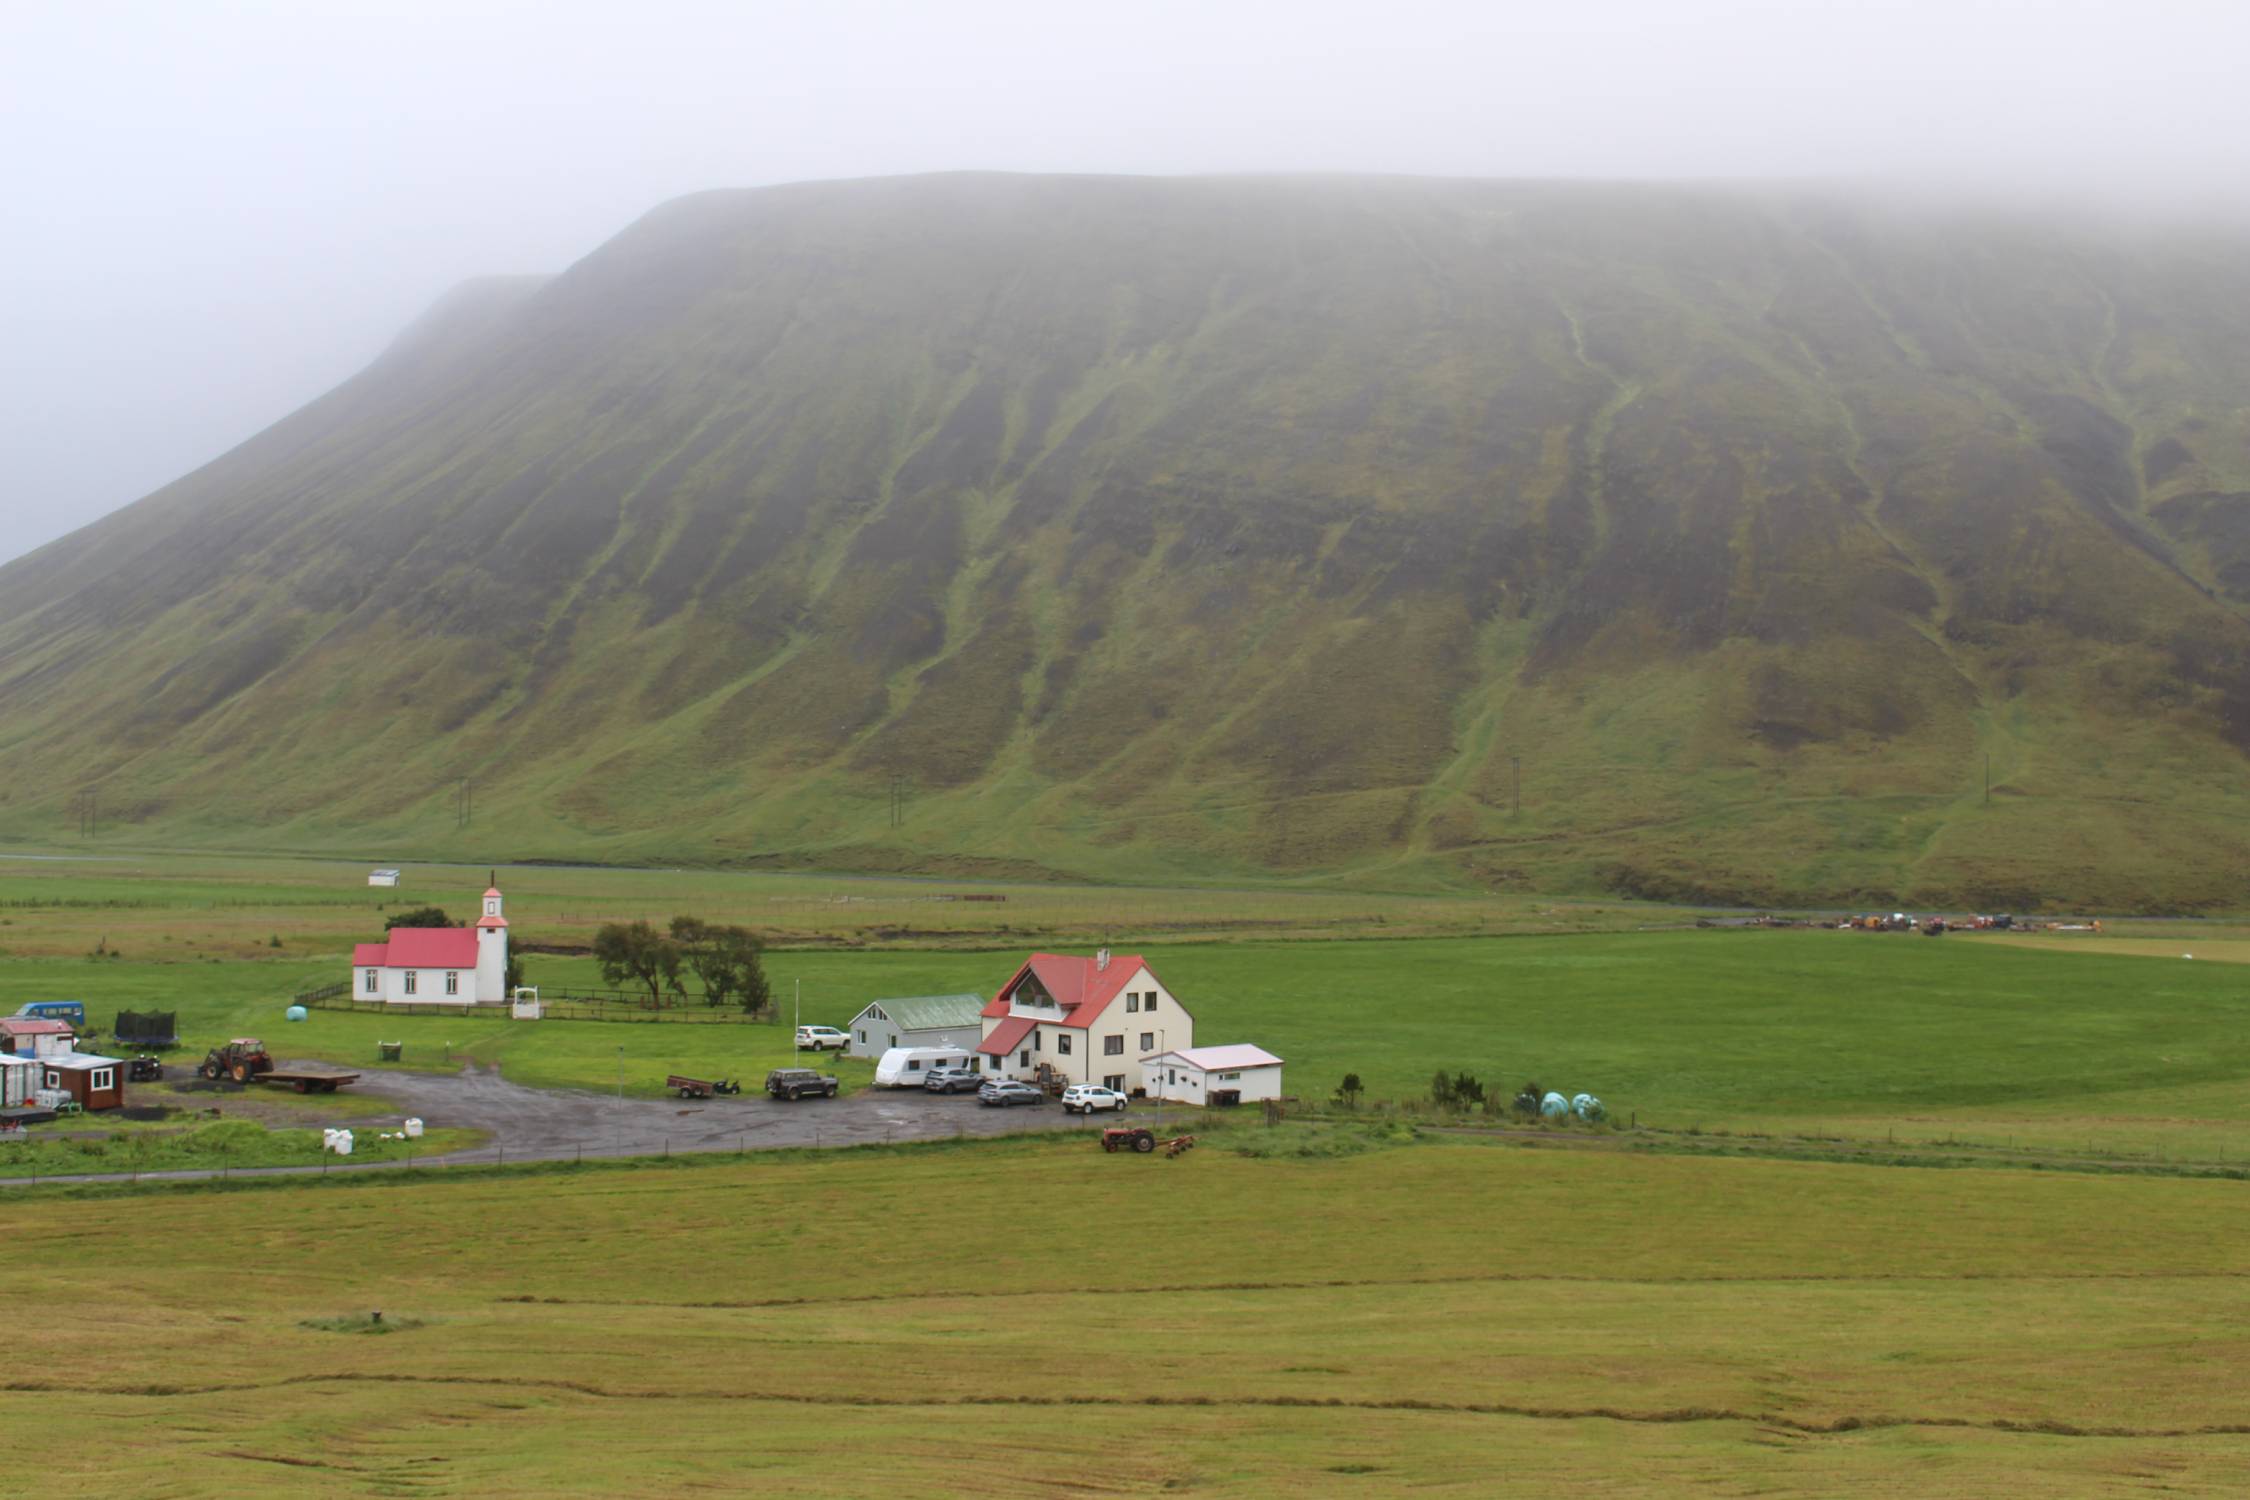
x=527, y=1124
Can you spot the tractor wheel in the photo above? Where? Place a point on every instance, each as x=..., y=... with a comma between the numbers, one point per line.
x=208, y=1071
x=1144, y=1143
x=302, y=1087
x=241, y=1072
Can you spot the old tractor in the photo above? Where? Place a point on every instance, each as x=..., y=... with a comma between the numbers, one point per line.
x=242, y=1060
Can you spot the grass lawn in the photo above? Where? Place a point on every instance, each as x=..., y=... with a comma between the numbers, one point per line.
x=71, y=1147
x=1426, y=1318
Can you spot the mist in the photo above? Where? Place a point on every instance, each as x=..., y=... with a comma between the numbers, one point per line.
x=218, y=211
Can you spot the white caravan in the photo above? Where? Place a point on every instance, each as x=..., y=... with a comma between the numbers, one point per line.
x=906, y=1067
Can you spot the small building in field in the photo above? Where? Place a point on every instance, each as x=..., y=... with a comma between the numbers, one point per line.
x=383, y=878
x=36, y=1036
x=437, y=965
x=920, y=1021
x=18, y=1077
x=1091, y=1020
x=1214, y=1075
x=95, y=1082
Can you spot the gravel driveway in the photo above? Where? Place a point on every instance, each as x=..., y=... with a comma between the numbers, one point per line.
x=528, y=1124
x=550, y=1124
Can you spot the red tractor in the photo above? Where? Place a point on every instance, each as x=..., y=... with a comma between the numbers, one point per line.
x=1141, y=1139
x=242, y=1060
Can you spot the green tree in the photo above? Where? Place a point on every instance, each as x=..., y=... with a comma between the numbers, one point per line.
x=729, y=961
x=637, y=952
x=1441, y=1089
x=1348, y=1092
x=420, y=916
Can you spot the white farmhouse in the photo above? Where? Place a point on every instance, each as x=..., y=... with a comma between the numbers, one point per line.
x=1091, y=1019
x=438, y=965
x=1214, y=1075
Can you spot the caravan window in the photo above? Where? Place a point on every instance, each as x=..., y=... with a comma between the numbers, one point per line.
x=914, y=1065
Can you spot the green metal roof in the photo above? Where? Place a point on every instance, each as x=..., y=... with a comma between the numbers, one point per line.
x=929, y=1012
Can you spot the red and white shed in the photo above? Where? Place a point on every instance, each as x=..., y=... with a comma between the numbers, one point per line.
x=35, y=1036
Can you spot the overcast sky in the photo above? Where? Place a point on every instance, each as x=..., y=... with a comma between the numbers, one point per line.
x=216, y=209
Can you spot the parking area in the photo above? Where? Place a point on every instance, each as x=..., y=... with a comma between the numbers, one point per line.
x=551, y=1124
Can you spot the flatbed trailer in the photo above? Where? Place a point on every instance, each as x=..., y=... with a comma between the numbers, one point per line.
x=308, y=1080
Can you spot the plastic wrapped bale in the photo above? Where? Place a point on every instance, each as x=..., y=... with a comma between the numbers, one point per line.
x=295, y=1013
x=343, y=1143
x=1554, y=1106
x=1587, y=1107
x=414, y=1129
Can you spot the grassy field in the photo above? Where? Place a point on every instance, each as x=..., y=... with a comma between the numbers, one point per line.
x=1444, y=1319
x=2059, y=1042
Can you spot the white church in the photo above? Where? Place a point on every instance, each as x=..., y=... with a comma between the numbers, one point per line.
x=438, y=965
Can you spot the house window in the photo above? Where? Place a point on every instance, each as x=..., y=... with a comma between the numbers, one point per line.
x=1113, y=1046
x=1062, y=1043
x=1036, y=1045
x=1024, y=1061
x=1114, y=1082
x=1230, y=1078
x=104, y=1078
x=1132, y=1002
x=863, y=1038
x=370, y=986
x=1148, y=1043
x=411, y=976
x=1148, y=1002
x=54, y=1079
x=453, y=981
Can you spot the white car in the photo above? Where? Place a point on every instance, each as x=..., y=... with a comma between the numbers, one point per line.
x=821, y=1039
x=1085, y=1098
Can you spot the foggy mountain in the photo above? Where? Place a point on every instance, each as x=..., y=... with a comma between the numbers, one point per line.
x=1663, y=540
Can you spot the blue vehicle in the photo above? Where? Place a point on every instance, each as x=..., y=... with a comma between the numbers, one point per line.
x=73, y=1011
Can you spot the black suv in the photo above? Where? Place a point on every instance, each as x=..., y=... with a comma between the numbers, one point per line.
x=796, y=1083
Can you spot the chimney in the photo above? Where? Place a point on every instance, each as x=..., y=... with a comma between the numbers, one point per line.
x=1101, y=960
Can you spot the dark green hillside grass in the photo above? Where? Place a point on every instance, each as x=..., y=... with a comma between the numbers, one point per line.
x=1682, y=544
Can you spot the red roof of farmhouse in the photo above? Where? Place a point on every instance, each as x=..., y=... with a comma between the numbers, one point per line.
x=420, y=948
x=1081, y=988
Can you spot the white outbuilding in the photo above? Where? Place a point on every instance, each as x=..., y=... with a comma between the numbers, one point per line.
x=919, y=1021
x=383, y=878
x=1213, y=1075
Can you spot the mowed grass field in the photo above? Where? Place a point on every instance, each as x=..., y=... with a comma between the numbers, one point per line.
x=1034, y=1318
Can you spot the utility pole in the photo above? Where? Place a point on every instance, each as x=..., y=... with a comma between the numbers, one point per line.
x=799, y=1023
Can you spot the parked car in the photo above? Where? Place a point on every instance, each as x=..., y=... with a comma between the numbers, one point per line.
x=1085, y=1098
x=798, y=1083
x=951, y=1081
x=821, y=1039
x=903, y=1067
x=1009, y=1091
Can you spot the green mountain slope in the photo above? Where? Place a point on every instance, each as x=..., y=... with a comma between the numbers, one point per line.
x=1667, y=541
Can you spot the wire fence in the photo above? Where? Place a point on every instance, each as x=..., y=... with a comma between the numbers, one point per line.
x=563, y=1005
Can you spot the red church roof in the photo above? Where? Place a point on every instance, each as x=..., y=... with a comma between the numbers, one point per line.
x=420, y=948
x=1080, y=988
